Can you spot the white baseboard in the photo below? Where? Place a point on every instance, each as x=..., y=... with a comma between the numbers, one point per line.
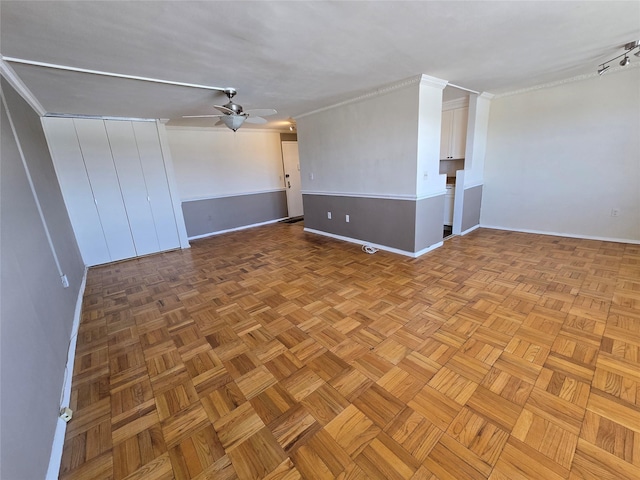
x=469, y=230
x=568, y=235
x=61, y=425
x=375, y=245
x=244, y=227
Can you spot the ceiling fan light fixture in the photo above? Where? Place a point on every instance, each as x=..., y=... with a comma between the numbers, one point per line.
x=234, y=122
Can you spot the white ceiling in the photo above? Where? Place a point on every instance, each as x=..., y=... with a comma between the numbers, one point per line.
x=298, y=56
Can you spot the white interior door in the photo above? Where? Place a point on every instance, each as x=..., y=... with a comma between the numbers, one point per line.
x=292, y=180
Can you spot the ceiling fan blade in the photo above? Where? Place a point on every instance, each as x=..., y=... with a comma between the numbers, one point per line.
x=225, y=110
x=256, y=120
x=202, y=116
x=261, y=112
x=218, y=123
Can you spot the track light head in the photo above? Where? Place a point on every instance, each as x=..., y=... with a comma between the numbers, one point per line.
x=625, y=61
x=603, y=69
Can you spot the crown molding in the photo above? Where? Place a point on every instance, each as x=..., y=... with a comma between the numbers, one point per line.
x=577, y=78
x=379, y=91
x=428, y=81
x=16, y=82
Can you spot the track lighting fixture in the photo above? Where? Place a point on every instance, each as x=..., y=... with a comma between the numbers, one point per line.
x=628, y=48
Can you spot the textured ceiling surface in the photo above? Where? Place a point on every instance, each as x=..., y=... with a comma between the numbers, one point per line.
x=298, y=56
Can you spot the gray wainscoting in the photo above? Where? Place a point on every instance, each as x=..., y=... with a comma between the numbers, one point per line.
x=471, y=207
x=212, y=215
x=388, y=222
x=429, y=222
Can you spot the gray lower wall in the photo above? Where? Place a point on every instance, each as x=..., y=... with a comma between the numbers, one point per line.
x=386, y=222
x=37, y=312
x=429, y=212
x=216, y=214
x=471, y=207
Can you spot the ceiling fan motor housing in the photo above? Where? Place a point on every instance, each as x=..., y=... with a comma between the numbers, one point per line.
x=237, y=109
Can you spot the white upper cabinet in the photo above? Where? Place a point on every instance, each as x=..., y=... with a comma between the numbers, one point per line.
x=453, y=136
x=114, y=183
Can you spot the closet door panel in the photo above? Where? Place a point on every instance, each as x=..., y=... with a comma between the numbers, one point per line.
x=157, y=185
x=132, y=184
x=106, y=188
x=76, y=190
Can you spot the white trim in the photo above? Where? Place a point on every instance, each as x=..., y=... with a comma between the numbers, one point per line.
x=375, y=245
x=244, y=227
x=433, y=82
x=487, y=96
x=227, y=195
x=431, y=195
x=16, y=82
x=379, y=91
x=108, y=74
x=568, y=235
x=462, y=88
x=474, y=185
x=412, y=198
x=469, y=230
x=577, y=78
x=98, y=117
x=360, y=195
x=61, y=426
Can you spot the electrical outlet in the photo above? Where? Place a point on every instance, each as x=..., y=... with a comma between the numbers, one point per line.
x=346, y=218
x=615, y=212
x=329, y=215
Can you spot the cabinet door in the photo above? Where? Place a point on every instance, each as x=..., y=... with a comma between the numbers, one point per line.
x=76, y=190
x=155, y=176
x=445, y=134
x=96, y=151
x=459, y=132
x=132, y=185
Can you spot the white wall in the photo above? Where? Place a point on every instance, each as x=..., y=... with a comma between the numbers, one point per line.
x=368, y=146
x=212, y=162
x=560, y=159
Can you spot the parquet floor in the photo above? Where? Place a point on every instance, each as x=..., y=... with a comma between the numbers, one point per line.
x=271, y=353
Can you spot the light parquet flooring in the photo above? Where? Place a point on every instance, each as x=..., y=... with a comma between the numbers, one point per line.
x=272, y=353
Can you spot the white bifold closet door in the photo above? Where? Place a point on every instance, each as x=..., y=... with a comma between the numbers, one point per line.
x=155, y=175
x=133, y=186
x=76, y=190
x=106, y=188
x=115, y=186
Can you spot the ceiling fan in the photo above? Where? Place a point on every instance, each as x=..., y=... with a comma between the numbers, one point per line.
x=233, y=115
